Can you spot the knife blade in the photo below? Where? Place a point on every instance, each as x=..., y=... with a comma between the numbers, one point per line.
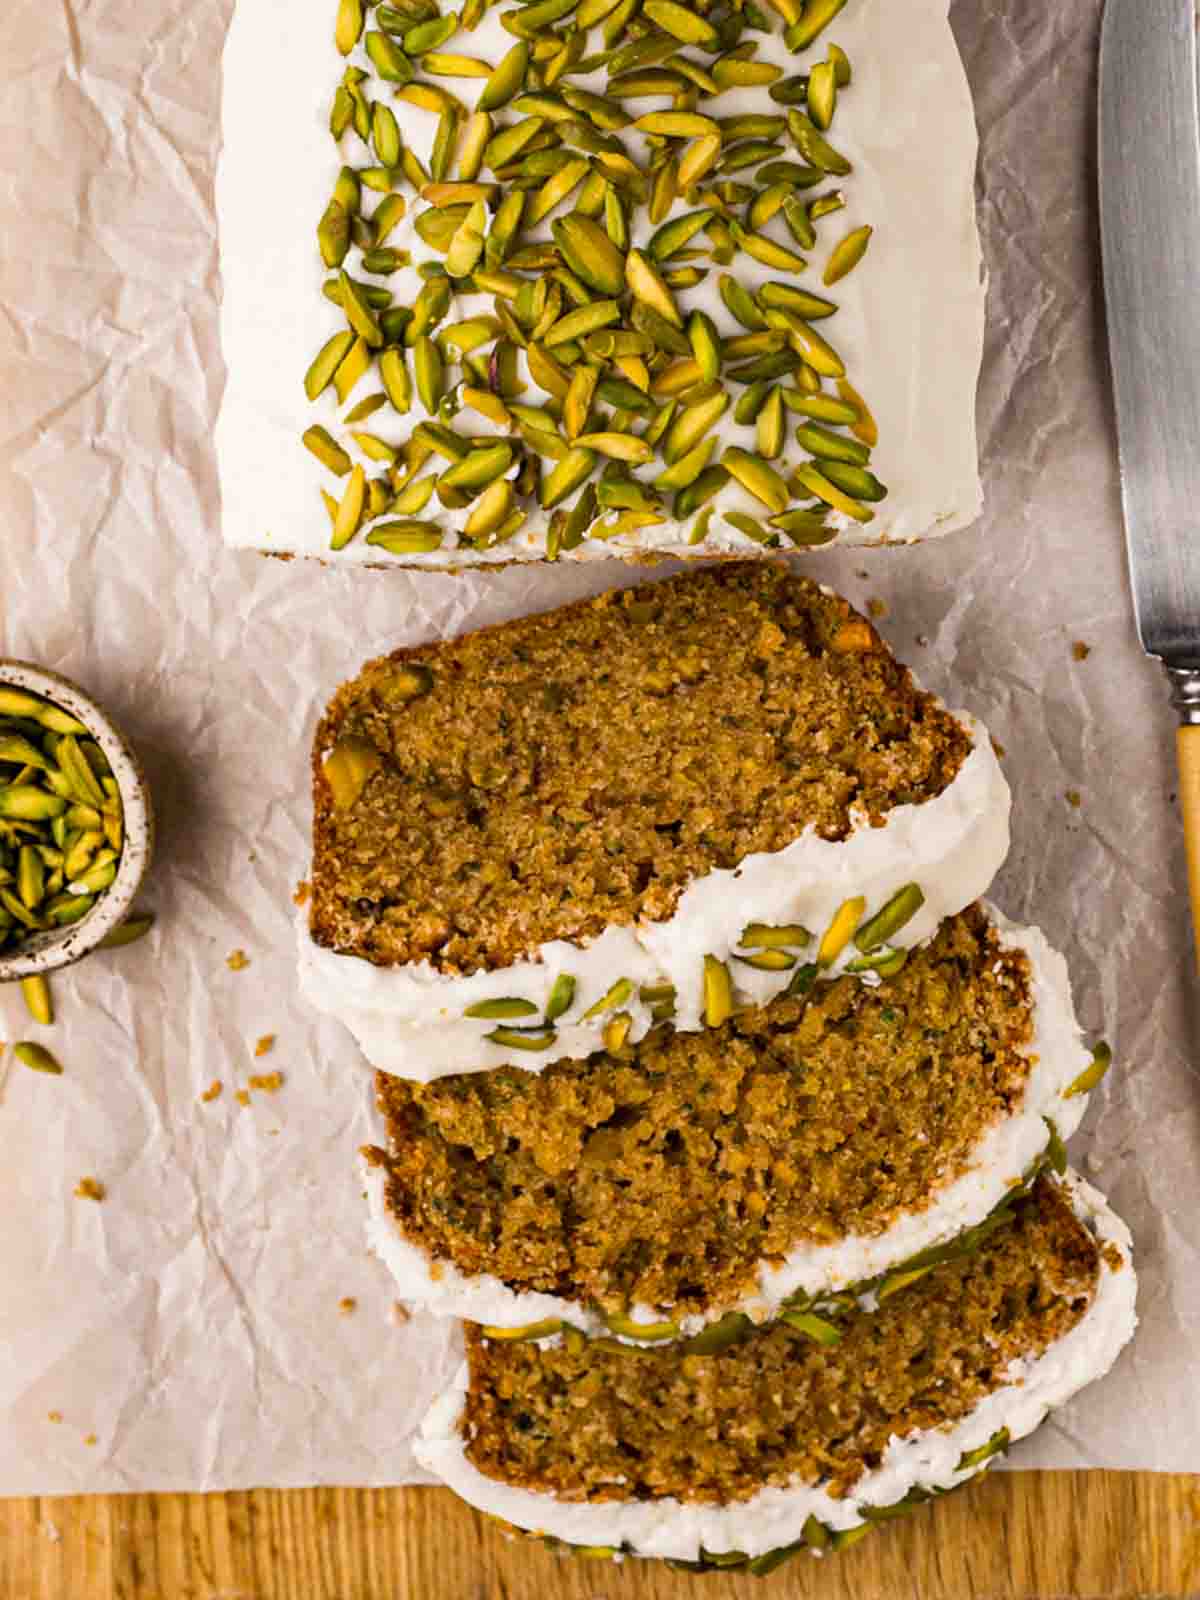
x=1149, y=129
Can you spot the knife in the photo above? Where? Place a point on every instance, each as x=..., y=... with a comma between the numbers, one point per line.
x=1150, y=236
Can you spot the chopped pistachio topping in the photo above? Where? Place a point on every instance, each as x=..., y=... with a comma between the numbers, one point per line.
x=61, y=826
x=586, y=218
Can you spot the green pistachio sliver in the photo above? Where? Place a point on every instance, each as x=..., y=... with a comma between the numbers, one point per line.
x=615, y=996
x=841, y=930
x=846, y=255
x=692, y=425
x=333, y=234
x=706, y=344
x=20, y=751
x=479, y=468
x=531, y=1039
x=718, y=992
x=566, y=476
x=506, y=79
x=349, y=26
x=899, y=910
x=788, y=297
x=645, y=1332
x=1091, y=1075
x=393, y=373
x=757, y=478
x=813, y=145
x=731, y=1329
x=769, y=936
x=820, y=407
x=350, y=510
x=1056, y=1150
x=560, y=998
x=768, y=251
x=770, y=430
x=818, y=484
x=328, y=452
x=529, y=1330
x=389, y=61
x=430, y=372
x=406, y=536
x=358, y=312
x=677, y=234
x=686, y=26
x=768, y=960
x=822, y=94
x=385, y=134
x=975, y=1458
x=854, y=481
x=366, y=408
x=688, y=468
x=25, y=803
x=585, y=320
x=36, y=1057
x=741, y=303
x=590, y=253
x=817, y=1328
x=817, y=16
x=35, y=991
x=501, y=1010
x=766, y=1563
x=826, y=445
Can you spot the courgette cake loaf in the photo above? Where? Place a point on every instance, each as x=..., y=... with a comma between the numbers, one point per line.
x=800, y=1147
x=803, y=1434
x=589, y=278
x=666, y=801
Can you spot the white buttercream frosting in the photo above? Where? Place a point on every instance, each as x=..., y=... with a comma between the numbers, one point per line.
x=909, y=324
x=410, y=1019
x=1057, y=1057
x=775, y=1517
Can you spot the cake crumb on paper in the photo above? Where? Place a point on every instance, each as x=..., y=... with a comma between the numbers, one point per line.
x=213, y=1092
x=1080, y=650
x=90, y=1439
x=267, y=1082
x=400, y=1313
x=303, y=890
x=876, y=608
x=90, y=1189
x=242, y=1097
x=1074, y=798
x=1001, y=752
x=347, y=1306
x=237, y=960
x=54, y=1416
x=264, y=1045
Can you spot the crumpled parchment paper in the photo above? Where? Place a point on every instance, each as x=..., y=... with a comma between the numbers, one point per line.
x=195, y=1329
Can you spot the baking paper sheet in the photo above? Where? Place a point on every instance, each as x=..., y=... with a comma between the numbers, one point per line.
x=189, y=1330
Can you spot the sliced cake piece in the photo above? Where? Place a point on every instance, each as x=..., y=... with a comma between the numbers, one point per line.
x=537, y=838
x=800, y=1147
x=804, y=1433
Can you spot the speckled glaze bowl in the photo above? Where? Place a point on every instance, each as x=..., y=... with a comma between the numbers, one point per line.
x=59, y=947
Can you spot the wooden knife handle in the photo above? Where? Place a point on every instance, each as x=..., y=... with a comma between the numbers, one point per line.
x=1188, y=746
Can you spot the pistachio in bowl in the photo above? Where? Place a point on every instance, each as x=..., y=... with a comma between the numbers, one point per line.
x=75, y=824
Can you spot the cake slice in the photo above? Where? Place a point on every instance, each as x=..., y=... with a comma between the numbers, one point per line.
x=663, y=295
x=543, y=838
x=805, y=1433
x=798, y=1148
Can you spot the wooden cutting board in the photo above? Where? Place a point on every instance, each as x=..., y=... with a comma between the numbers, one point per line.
x=1013, y=1536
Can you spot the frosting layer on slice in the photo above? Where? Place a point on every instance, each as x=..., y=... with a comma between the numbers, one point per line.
x=810, y=1147
x=1092, y=1280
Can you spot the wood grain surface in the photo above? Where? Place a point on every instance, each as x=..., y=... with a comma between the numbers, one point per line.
x=1012, y=1536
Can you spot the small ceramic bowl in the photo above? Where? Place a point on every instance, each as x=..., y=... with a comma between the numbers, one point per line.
x=59, y=947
